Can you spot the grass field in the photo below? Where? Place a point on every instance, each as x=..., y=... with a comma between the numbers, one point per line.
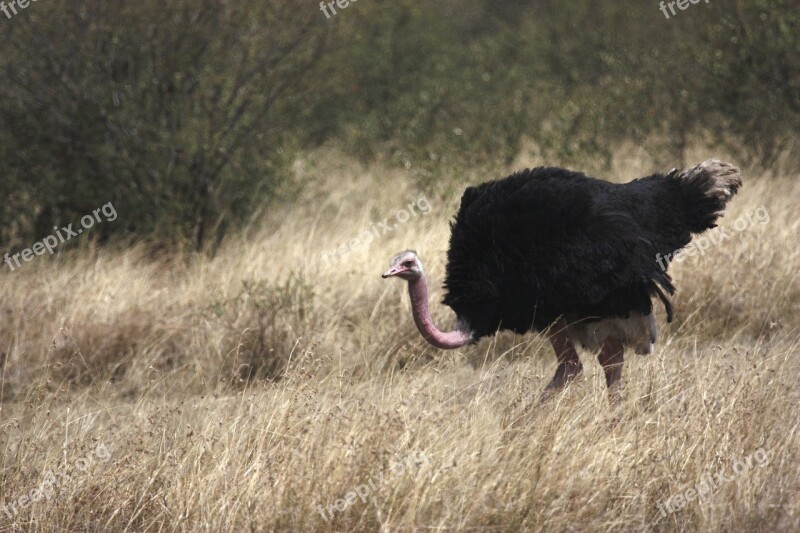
x=266, y=387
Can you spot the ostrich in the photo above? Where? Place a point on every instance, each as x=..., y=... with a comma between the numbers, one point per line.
x=548, y=249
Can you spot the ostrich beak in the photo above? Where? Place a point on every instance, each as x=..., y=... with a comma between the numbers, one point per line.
x=393, y=272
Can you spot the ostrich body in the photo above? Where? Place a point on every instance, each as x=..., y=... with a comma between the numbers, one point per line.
x=553, y=250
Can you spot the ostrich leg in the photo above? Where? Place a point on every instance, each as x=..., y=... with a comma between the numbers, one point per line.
x=611, y=360
x=569, y=365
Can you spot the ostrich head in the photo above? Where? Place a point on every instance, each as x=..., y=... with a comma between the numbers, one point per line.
x=405, y=265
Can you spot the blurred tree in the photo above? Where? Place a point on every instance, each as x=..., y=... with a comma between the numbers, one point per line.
x=179, y=113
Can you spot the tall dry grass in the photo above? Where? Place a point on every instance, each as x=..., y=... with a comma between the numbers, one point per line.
x=241, y=391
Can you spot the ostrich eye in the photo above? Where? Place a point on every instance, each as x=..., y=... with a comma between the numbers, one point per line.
x=408, y=264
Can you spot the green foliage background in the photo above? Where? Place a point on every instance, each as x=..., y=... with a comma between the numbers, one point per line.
x=187, y=114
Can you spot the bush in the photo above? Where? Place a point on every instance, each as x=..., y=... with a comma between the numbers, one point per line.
x=187, y=115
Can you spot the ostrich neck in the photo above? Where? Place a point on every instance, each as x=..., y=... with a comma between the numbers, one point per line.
x=418, y=290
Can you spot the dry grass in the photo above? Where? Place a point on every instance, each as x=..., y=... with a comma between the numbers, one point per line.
x=239, y=392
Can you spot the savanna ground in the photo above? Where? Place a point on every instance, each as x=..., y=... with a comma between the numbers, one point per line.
x=241, y=391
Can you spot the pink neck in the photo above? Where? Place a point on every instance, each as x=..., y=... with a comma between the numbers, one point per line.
x=418, y=290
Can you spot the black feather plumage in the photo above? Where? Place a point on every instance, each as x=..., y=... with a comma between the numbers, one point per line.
x=548, y=242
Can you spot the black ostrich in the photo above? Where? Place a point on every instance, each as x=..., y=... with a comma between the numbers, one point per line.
x=550, y=249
